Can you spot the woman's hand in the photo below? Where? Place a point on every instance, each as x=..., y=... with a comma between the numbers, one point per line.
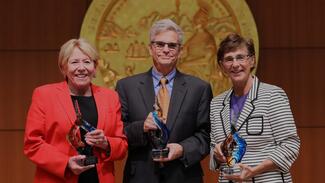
x=218, y=153
x=96, y=138
x=246, y=173
x=75, y=164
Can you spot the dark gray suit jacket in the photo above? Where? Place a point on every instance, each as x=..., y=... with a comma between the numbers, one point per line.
x=188, y=121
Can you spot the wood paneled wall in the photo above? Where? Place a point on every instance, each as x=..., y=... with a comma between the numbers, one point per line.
x=292, y=48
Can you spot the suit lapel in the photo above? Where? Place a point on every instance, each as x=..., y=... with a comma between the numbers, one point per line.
x=176, y=100
x=224, y=113
x=249, y=105
x=101, y=106
x=146, y=91
x=245, y=113
x=64, y=99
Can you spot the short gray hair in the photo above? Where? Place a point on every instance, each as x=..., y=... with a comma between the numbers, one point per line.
x=166, y=25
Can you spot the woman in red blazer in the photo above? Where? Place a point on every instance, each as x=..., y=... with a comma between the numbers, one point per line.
x=52, y=118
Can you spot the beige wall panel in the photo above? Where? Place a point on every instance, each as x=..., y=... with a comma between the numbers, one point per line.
x=289, y=23
x=39, y=24
x=300, y=73
x=24, y=71
x=310, y=164
x=15, y=167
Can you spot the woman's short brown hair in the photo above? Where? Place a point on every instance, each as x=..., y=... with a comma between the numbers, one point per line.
x=231, y=43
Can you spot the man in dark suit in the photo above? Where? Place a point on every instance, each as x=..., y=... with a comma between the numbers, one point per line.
x=187, y=119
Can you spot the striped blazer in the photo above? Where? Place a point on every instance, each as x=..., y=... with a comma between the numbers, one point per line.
x=267, y=125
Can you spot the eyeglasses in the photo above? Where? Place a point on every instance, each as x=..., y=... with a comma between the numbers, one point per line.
x=239, y=58
x=160, y=45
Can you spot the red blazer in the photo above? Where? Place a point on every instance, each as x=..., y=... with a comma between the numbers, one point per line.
x=49, y=120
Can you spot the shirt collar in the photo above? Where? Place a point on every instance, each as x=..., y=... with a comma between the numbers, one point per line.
x=157, y=76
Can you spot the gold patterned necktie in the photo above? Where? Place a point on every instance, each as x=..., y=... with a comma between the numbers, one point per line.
x=163, y=98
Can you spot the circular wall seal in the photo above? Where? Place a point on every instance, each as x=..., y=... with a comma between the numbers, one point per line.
x=120, y=31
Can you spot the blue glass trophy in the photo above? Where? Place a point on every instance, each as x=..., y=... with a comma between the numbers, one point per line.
x=233, y=148
x=74, y=138
x=159, y=138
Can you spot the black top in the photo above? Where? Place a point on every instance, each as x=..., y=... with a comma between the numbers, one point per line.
x=88, y=111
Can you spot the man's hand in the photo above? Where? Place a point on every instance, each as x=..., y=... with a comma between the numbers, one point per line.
x=175, y=152
x=149, y=124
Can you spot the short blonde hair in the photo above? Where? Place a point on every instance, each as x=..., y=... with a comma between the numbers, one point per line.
x=68, y=47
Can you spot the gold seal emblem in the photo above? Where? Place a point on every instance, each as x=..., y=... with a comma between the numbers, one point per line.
x=120, y=31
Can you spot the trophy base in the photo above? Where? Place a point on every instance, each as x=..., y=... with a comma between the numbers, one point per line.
x=90, y=160
x=160, y=153
x=228, y=170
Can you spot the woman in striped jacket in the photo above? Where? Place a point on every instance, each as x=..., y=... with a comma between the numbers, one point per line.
x=260, y=113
